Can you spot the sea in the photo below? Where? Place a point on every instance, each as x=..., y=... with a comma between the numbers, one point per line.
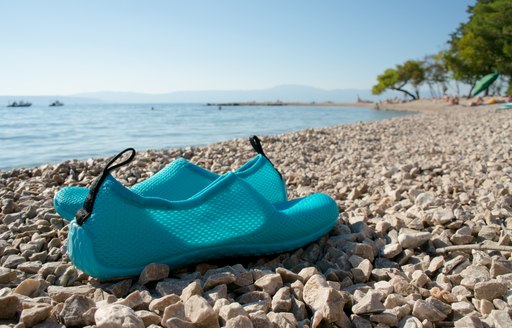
x=36, y=135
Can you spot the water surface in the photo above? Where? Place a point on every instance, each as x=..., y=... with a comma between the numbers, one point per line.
x=40, y=134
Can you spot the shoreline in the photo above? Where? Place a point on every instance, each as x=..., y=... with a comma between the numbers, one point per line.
x=406, y=187
x=421, y=105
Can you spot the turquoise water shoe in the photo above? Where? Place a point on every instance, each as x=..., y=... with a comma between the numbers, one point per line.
x=181, y=179
x=118, y=232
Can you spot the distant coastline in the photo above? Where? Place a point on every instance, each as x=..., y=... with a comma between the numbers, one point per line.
x=286, y=103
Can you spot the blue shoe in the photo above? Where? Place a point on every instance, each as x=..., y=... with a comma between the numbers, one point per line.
x=259, y=172
x=118, y=231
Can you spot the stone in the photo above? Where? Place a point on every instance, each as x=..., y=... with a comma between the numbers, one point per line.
x=200, y=313
x=462, y=308
x=60, y=294
x=485, y=306
x=299, y=309
x=500, y=319
x=159, y=304
x=73, y=310
x=282, y=319
x=216, y=293
x=409, y=238
x=255, y=301
x=410, y=322
x=384, y=287
x=500, y=267
x=117, y=316
x=451, y=264
x=443, y=216
x=148, y=317
x=419, y=278
x=435, y=264
x=31, y=267
x=219, y=279
x=282, y=300
x=288, y=276
x=176, y=310
x=239, y=322
x=194, y=288
x=260, y=320
x=489, y=290
x=370, y=303
x=121, y=288
x=177, y=323
x=462, y=236
x=360, y=322
x=154, y=272
x=132, y=301
x=231, y=311
x=7, y=275
x=468, y=322
x=426, y=311
x=474, y=274
x=385, y=318
x=307, y=273
x=321, y=298
x=28, y=287
x=13, y=261
x=172, y=286
x=270, y=283
x=424, y=200
x=391, y=250
x=9, y=305
x=36, y=314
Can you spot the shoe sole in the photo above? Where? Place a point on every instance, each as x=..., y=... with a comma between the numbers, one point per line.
x=104, y=273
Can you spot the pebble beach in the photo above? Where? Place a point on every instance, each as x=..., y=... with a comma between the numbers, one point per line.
x=423, y=238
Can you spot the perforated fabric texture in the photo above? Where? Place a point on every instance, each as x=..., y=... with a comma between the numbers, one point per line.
x=126, y=231
x=180, y=180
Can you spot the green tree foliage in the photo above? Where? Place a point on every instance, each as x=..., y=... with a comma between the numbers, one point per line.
x=410, y=73
x=436, y=74
x=484, y=43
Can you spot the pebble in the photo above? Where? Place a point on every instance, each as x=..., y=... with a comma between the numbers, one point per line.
x=200, y=313
x=399, y=201
x=410, y=238
x=270, y=283
x=9, y=305
x=27, y=287
x=153, y=272
x=370, y=303
x=117, y=316
x=73, y=310
x=36, y=314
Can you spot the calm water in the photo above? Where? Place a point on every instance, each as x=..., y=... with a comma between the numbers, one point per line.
x=41, y=134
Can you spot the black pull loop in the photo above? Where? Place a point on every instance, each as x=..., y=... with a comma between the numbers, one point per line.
x=83, y=214
x=256, y=145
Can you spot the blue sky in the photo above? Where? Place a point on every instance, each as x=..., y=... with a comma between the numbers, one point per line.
x=59, y=47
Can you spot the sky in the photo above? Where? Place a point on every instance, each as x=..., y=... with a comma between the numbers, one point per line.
x=62, y=47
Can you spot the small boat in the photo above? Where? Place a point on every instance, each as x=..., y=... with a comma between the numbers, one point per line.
x=20, y=103
x=56, y=103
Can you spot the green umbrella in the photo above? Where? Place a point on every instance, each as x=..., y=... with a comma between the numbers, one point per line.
x=485, y=82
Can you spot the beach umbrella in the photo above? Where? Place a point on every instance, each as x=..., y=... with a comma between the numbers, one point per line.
x=485, y=82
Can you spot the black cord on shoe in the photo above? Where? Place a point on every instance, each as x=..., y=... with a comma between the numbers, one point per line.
x=83, y=214
x=256, y=145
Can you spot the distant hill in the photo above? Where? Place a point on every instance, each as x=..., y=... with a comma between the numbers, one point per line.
x=286, y=93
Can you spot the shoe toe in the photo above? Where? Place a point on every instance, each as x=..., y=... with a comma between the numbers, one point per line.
x=69, y=200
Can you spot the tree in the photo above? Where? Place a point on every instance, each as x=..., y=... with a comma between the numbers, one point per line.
x=436, y=74
x=411, y=72
x=484, y=43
